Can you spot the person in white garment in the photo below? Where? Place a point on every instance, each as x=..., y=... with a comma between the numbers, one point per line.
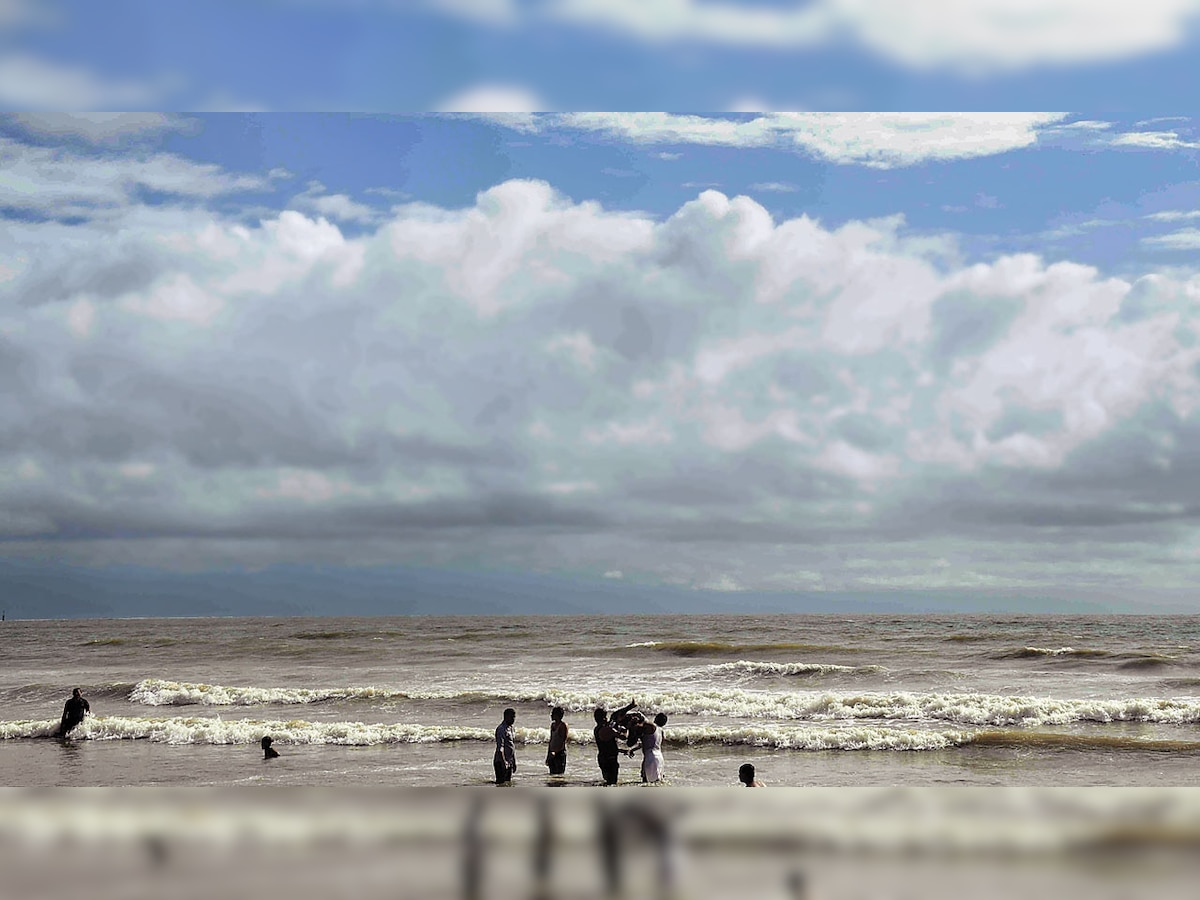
x=652, y=758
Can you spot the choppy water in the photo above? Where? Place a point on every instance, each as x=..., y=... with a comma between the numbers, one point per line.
x=811, y=700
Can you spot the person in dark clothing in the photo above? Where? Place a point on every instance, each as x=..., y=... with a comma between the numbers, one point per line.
x=505, y=760
x=269, y=752
x=608, y=731
x=73, y=712
x=607, y=749
x=556, y=753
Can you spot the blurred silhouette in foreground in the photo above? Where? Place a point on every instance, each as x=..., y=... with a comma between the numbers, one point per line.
x=628, y=826
x=441, y=843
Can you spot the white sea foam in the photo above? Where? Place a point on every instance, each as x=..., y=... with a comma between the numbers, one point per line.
x=160, y=692
x=28, y=729
x=215, y=731
x=751, y=668
x=1046, y=651
x=844, y=738
x=957, y=709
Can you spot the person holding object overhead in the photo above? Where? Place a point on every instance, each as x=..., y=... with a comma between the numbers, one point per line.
x=608, y=731
x=73, y=713
x=505, y=760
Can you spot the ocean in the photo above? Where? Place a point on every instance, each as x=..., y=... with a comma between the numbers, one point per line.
x=812, y=700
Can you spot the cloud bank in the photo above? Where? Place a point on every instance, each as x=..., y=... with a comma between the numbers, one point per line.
x=979, y=37
x=877, y=140
x=716, y=398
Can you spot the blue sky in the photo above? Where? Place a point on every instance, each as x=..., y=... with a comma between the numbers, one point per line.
x=734, y=354
x=1095, y=190
x=412, y=55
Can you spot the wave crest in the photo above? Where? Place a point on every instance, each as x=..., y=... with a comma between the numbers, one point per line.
x=752, y=668
x=211, y=730
x=959, y=709
x=1045, y=652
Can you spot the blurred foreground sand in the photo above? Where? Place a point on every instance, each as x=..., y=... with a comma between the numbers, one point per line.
x=818, y=843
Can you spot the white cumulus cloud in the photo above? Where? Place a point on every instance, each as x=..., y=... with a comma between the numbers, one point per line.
x=716, y=397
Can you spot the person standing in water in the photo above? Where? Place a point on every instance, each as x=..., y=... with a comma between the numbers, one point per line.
x=73, y=712
x=652, y=758
x=269, y=752
x=556, y=753
x=608, y=732
x=607, y=749
x=746, y=776
x=505, y=760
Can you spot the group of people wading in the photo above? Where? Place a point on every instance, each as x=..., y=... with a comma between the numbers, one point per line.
x=625, y=725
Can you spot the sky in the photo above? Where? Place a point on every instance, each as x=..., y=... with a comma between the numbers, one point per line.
x=727, y=356
x=417, y=55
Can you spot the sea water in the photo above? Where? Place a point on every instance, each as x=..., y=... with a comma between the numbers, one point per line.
x=871, y=717
x=810, y=700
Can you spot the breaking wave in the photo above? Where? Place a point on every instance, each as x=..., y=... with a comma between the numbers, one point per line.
x=158, y=692
x=214, y=731
x=995, y=710
x=211, y=730
x=750, y=668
